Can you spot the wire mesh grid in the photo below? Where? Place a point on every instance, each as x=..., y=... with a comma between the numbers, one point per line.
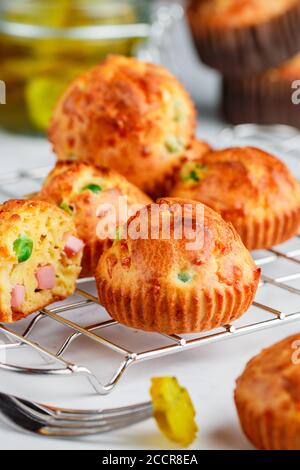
x=280, y=271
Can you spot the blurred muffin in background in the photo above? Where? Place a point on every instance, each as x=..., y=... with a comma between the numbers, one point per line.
x=128, y=115
x=90, y=194
x=243, y=37
x=250, y=188
x=270, y=98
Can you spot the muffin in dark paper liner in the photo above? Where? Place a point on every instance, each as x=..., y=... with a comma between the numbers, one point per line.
x=270, y=98
x=245, y=37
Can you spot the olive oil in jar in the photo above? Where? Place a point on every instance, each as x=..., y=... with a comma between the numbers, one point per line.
x=45, y=44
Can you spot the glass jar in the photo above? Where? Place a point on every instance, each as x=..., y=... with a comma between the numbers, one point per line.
x=44, y=44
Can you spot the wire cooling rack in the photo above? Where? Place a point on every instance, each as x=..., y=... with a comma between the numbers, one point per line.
x=56, y=333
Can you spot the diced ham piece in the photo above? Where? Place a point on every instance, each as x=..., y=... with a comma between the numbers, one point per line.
x=73, y=246
x=46, y=277
x=17, y=296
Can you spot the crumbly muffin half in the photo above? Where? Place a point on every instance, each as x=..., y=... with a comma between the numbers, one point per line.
x=128, y=115
x=40, y=257
x=245, y=37
x=266, y=98
x=156, y=282
x=267, y=397
x=90, y=194
x=250, y=188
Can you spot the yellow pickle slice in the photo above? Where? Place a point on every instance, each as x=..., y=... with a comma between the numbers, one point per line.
x=173, y=410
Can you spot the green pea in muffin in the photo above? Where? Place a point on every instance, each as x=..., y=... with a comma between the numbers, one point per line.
x=172, y=282
x=40, y=257
x=94, y=197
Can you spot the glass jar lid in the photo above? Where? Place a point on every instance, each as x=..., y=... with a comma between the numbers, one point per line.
x=81, y=19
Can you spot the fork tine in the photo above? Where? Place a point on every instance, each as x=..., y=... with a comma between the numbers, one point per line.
x=11, y=411
x=33, y=406
x=88, y=415
x=85, y=431
x=109, y=414
x=35, y=417
x=29, y=423
x=100, y=422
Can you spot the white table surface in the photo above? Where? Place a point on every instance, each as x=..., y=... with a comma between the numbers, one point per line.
x=208, y=373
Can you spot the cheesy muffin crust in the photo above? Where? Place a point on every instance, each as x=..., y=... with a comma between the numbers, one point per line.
x=267, y=397
x=162, y=284
x=196, y=150
x=264, y=99
x=40, y=257
x=81, y=189
x=128, y=115
x=250, y=188
x=245, y=37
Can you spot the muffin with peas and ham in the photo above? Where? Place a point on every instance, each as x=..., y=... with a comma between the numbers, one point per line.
x=252, y=189
x=40, y=257
x=195, y=277
x=128, y=115
x=98, y=199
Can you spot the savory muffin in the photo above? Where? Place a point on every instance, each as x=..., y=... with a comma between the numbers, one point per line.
x=250, y=188
x=272, y=97
x=267, y=397
x=245, y=37
x=196, y=150
x=91, y=194
x=128, y=115
x=177, y=267
x=40, y=255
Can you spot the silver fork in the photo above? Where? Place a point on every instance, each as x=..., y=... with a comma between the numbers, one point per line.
x=50, y=421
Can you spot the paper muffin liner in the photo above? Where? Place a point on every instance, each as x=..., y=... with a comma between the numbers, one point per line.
x=273, y=231
x=259, y=100
x=250, y=50
x=175, y=311
x=268, y=430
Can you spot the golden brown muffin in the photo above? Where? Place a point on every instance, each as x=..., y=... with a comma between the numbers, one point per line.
x=40, y=257
x=170, y=284
x=245, y=37
x=267, y=397
x=249, y=188
x=269, y=98
x=128, y=115
x=81, y=189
